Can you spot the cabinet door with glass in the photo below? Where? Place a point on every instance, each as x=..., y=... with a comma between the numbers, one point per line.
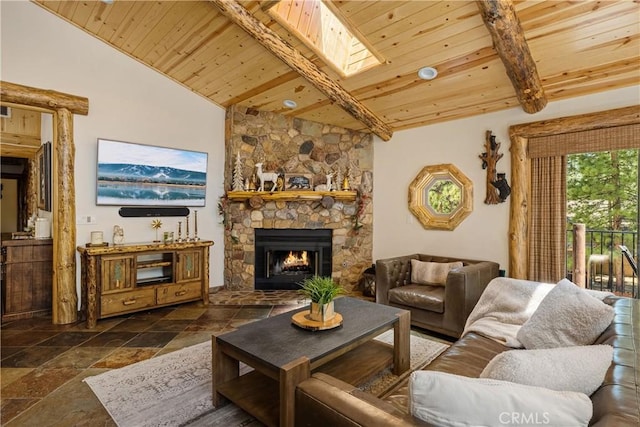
x=117, y=273
x=189, y=265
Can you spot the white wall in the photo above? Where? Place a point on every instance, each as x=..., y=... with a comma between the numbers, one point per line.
x=484, y=233
x=127, y=102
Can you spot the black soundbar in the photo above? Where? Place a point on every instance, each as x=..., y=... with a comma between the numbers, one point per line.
x=141, y=211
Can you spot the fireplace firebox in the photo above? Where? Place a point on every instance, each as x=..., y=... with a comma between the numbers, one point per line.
x=285, y=257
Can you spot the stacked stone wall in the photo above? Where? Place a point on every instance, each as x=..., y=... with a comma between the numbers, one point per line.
x=295, y=146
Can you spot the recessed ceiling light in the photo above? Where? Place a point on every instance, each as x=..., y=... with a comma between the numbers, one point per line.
x=427, y=73
x=289, y=103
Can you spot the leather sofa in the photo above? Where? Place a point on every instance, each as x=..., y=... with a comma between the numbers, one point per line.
x=442, y=309
x=323, y=400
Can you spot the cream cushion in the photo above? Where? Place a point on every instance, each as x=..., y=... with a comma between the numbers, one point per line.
x=432, y=273
x=448, y=400
x=577, y=368
x=567, y=316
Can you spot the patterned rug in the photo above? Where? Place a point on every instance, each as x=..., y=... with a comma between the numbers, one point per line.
x=175, y=389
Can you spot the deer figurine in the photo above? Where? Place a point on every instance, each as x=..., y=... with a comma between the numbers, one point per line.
x=266, y=176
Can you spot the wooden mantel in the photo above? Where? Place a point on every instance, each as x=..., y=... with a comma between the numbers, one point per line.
x=293, y=195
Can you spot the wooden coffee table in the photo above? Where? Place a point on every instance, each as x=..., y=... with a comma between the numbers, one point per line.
x=283, y=355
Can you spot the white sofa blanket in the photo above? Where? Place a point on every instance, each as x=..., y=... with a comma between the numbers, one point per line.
x=503, y=308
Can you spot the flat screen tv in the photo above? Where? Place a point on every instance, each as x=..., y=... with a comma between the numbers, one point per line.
x=143, y=175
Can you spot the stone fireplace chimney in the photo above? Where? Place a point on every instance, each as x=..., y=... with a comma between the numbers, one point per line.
x=291, y=146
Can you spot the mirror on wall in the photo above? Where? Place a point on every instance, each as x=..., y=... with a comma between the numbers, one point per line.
x=441, y=197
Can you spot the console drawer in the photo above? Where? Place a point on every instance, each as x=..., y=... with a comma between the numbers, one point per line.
x=179, y=292
x=123, y=302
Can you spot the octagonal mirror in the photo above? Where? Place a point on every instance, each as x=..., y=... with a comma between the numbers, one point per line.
x=441, y=197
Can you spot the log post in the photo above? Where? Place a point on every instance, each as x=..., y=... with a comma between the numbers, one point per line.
x=518, y=222
x=579, y=262
x=65, y=297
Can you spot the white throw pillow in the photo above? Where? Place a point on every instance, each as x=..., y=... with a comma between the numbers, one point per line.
x=566, y=316
x=432, y=273
x=448, y=400
x=578, y=368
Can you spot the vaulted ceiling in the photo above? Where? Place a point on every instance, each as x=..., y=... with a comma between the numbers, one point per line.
x=487, y=60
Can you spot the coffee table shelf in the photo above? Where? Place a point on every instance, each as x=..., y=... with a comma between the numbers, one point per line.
x=254, y=393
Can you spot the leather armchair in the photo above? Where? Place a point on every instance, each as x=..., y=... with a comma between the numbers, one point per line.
x=442, y=309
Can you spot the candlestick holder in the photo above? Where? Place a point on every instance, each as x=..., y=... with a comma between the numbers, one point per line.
x=195, y=226
x=187, y=238
x=179, y=239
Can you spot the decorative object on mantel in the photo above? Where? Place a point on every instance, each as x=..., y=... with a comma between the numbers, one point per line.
x=156, y=224
x=238, y=180
x=266, y=177
x=186, y=237
x=345, y=184
x=497, y=186
x=298, y=181
x=321, y=315
x=328, y=186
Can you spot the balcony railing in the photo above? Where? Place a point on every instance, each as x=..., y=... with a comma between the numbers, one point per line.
x=606, y=267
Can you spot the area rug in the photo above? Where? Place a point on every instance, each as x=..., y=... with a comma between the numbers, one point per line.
x=175, y=389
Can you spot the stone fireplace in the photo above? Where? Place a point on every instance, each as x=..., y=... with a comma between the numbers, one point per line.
x=342, y=246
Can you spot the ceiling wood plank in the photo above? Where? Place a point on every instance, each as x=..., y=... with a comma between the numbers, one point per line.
x=306, y=68
x=508, y=39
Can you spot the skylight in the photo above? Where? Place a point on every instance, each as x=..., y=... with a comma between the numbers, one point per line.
x=316, y=24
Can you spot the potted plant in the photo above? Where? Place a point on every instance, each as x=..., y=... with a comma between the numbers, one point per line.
x=321, y=291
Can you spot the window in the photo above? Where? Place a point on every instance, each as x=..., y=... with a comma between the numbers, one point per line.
x=318, y=25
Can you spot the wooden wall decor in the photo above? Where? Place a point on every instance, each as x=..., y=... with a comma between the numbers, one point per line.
x=63, y=106
x=497, y=187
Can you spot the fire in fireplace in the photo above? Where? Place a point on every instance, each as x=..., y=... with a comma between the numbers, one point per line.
x=293, y=262
x=285, y=257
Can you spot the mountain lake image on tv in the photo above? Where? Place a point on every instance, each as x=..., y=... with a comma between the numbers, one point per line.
x=143, y=175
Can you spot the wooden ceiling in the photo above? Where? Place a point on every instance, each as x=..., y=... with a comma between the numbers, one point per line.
x=578, y=48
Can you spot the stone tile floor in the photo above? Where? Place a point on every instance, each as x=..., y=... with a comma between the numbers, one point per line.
x=42, y=365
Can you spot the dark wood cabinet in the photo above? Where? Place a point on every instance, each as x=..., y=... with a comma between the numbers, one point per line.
x=27, y=277
x=127, y=278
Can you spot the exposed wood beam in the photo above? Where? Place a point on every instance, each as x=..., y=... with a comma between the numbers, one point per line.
x=42, y=98
x=509, y=42
x=294, y=59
